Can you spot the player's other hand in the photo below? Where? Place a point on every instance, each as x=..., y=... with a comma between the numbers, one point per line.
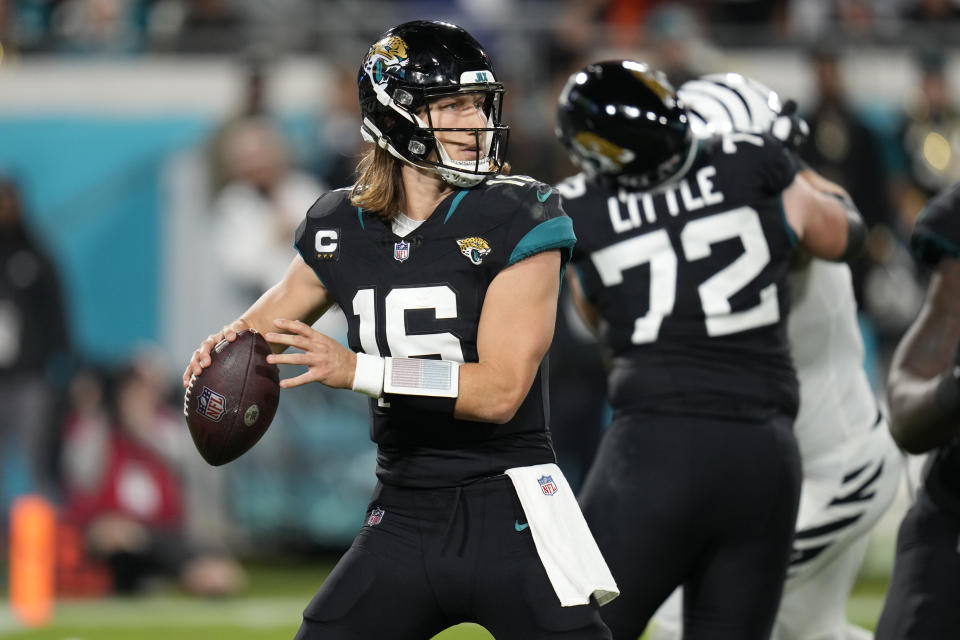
x=789, y=128
x=201, y=356
x=327, y=361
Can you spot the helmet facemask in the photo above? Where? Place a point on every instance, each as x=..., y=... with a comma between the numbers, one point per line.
x=490, y=140
x=422, y=147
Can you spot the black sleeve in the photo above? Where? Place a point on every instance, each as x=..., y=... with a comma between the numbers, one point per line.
x=755, y=165
x=776, y=166
x=937, y=230
x=318, y=237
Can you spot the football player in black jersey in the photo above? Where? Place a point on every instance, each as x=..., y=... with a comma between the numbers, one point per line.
x=448, y=274
x=923, y=390
x=851, y=465
x=682, y=258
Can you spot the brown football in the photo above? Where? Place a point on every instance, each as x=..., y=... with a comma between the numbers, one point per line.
x=229, y=406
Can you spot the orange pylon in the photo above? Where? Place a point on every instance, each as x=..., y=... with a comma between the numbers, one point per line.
x=32, y=527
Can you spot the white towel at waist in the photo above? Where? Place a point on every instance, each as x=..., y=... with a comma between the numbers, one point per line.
x=564, y=542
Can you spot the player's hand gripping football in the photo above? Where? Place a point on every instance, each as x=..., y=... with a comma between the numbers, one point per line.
x=327, y=361
x=201, y=356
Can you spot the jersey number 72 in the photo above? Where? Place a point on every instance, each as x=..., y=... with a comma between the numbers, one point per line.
x=696, y=239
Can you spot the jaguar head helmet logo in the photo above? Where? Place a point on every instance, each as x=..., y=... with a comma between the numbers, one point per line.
x=609, y=157
x=386, y=54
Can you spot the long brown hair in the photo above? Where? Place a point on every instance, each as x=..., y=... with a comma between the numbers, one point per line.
x=379, y=186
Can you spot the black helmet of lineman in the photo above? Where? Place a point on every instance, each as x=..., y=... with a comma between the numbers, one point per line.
x=412, y=64
x=623, y=120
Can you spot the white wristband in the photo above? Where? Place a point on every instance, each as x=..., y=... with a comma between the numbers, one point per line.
x=368, y=377
x=422, y=377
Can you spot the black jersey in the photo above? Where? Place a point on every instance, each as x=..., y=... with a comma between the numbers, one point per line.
x=421, y=296
x=691, y=281
x=937, y=230
x=937, y=235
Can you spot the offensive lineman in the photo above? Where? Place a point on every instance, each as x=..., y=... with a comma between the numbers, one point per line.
x=683, y=251
x=923, y=390
x=448, y=276
x=851, y=466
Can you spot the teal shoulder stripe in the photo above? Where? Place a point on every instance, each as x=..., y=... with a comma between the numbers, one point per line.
x=929, y=247
x=456, y=203
x=555, y=233
x=791, y=234
x=360, y=218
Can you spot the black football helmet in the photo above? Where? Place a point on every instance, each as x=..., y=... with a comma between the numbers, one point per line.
x=623, y=120
x=413, y=64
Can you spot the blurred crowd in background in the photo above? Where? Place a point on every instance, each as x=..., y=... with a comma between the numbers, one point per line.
x=102, y=435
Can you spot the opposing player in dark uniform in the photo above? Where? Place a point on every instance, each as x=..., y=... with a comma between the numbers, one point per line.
x=682, y=256
x=448, y=275
x=923, y=390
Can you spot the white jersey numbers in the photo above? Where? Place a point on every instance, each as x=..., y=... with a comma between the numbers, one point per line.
x=440, y=298
x=715, y=292
x=654, y=248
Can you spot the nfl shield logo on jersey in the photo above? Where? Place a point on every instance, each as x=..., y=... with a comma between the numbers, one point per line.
x=211, y=404
x=547, y=485
x=401, y=251
x=376, y=515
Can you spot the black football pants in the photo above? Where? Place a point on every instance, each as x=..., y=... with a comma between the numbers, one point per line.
x=705, y=503
x=439, y=557
x=923, y=600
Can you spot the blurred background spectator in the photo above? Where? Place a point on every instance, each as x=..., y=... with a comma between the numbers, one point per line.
x=127, y=485
x=929, y=133
x=842, y=147
x=937, y=16
x=258, y=210
x=255, y=73
x=34, y=356
x=338, y=144
x=200, y=26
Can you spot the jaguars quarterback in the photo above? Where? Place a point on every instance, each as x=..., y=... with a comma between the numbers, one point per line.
x=851, y=466
x=684, y=247
x=923, y=391
x=448, y=273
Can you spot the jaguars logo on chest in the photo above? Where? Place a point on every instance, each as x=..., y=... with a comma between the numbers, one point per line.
x=474, y=248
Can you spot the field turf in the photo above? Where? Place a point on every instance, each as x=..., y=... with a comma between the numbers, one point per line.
x=268, y=609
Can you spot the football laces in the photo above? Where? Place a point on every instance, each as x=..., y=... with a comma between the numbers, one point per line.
x=186, y=396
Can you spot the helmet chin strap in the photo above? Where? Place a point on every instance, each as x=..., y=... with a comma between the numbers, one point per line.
x=459, y=173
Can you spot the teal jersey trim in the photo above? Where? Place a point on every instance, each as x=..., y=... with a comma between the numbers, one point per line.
x=456, y=203
x=928, y=248
x=556, y=233
x=791, y=234
x=360, y=218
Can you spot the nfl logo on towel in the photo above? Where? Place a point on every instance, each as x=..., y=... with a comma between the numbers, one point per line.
x=376, y=515
x=547, y=485
x=211, y=404
x=401, y=251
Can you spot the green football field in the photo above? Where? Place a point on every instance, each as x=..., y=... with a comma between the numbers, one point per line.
x=268, y=609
